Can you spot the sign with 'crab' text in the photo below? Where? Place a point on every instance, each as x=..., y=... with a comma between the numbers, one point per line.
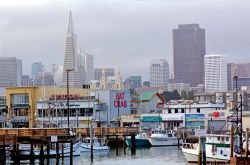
x=120, y=99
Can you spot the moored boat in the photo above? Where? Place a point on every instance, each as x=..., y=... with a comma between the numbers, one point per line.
x=163, y=138
x=217, y=149
x=141, y=140
x=99, y=144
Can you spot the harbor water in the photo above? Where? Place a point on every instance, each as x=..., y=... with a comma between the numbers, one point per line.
x=170, y=155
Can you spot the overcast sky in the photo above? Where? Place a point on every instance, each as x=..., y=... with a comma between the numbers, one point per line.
x=120, y=33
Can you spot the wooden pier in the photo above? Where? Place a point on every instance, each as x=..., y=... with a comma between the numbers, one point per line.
x=12, y=137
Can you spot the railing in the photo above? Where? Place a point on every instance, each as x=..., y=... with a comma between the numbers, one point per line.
x=42, y=132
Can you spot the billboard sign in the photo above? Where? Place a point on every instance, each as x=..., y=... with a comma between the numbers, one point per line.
x=119, y=100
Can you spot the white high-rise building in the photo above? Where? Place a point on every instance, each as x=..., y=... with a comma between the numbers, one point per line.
x=215, y=73
x=89, y=68
x=72, y=58
x=159, y=73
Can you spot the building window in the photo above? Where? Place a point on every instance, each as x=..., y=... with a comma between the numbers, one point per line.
x=169, y=110
x=182, y=110
x=198, y=110
x=176, y=110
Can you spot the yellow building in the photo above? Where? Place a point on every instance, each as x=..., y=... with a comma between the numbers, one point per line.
x=22, y=102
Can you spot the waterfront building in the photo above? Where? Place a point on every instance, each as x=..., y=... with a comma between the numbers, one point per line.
x=117, y=103
x=46, y=107
x=193, y=116
x=36, y=68
x=9, y=71
x=189, y=49
x=108, y=72
x=72, y=59
x=215, y=73
x=242, y=71
x=159, y=73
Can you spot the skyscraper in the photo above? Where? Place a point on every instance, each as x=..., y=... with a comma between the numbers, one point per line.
x=215, y=73
x=159, y=73
x=88, y=68
x=9, y=71
x=189, y=50
x=240, y=70
x=72, y=58
x=36, y=68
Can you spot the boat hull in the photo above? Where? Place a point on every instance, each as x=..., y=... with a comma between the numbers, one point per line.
x=157, y=142
x=138, y=142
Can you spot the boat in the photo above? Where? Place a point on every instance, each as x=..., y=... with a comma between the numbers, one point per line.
x=99, y=144
x=24, y=150
x=163, y=138
x=217, y=149
x=141, y=140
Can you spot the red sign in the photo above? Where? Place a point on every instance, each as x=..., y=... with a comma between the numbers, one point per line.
x=120, y=102
x=64, y=97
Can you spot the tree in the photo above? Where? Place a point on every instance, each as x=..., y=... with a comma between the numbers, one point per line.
x=173, y=95
x=183, y=95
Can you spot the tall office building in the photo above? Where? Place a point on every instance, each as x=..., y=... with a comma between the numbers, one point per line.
x=19, y=72
x=133, y=82
x=72, y=58
x=88, y=68
x=189, y=49
x=242, y=71
x=36, y=68
x=9, y=71
x=159, y=73
x=215, y=73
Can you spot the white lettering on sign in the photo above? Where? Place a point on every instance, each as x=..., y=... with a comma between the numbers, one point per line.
x=200, y=132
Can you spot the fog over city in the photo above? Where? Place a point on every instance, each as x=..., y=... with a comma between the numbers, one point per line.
x=125, y=34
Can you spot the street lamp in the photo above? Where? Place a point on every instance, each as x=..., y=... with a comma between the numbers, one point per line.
x=67, y=71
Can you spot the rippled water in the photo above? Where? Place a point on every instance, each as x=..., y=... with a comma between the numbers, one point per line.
x=143, y=156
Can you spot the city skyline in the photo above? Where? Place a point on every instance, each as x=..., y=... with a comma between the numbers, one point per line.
x=120, y=31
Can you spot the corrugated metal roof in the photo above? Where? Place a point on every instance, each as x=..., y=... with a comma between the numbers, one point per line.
x=147, y=95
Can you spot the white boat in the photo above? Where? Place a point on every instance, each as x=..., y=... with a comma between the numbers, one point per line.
x=99, y=144
x=217, y=149
x=24, y=149
x=163, y=138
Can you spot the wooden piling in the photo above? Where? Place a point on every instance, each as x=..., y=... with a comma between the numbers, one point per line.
x=247, y=137
x=133, y=145
x=71, y=152
x=57, y=151
x=199, y=152
x=32, y=155
x=62, y=151
x=231, y=142
x=48, y=152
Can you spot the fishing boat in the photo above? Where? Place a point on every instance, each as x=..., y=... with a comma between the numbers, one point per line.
x=217, y=149
x=99, y=144
x=141, y=140
x=24, y=150
x=163, y=138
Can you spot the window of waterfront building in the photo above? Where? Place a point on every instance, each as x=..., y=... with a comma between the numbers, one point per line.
x=176, y=110
x=198, y=110
x=182, y=110
x=19, y=99
x=169, y=110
